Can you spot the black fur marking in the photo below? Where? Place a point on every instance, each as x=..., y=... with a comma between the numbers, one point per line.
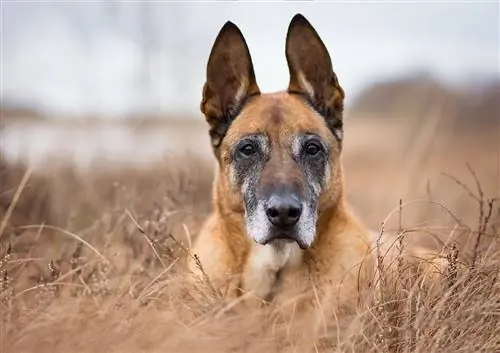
x=247, y=169
x=314, y=166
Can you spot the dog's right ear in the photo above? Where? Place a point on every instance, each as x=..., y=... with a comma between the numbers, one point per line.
x=230, y=81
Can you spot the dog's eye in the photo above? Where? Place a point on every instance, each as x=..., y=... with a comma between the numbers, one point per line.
x=247, y=149
x=312, y=149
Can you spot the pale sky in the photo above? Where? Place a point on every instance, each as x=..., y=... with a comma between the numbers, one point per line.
x=83, y=57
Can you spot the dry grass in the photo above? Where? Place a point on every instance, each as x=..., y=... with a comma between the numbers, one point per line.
x=105, y=277
x=93, y=263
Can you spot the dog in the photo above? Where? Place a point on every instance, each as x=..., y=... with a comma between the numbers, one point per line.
x=280, y=228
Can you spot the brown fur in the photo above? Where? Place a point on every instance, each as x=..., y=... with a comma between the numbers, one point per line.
x=340, y=263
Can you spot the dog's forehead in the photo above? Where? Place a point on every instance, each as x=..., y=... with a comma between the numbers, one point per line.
x=278, y=115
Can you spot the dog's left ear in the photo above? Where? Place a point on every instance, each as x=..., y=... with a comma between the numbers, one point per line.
x=311, y=72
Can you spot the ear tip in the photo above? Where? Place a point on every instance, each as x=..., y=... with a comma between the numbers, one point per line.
x=229, y=29
x=299, y=19
x=229, y=26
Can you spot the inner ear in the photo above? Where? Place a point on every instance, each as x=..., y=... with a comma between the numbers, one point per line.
x=230, y=81
x=311, y=72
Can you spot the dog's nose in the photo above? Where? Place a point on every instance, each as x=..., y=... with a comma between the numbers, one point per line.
x=283, y=211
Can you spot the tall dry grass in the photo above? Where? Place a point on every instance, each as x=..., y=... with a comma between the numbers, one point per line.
x=94, y=262
x=103, y=275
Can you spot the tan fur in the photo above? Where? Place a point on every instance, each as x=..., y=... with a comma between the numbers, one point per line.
x=331, y=273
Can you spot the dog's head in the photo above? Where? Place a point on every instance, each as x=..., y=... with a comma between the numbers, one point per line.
x=278, y=153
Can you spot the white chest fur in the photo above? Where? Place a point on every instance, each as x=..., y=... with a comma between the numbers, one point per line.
x=263, y=264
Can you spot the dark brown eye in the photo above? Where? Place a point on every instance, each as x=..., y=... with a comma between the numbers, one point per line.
x=247, y=149
x=312, y=149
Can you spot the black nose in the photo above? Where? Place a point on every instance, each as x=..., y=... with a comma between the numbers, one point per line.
x=283, y=211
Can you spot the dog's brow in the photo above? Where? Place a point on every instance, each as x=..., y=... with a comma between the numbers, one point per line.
x=310, y=134
x=307, y=136
x=253, y=135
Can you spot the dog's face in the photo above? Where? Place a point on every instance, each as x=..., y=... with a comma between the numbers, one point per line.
x=278, y=153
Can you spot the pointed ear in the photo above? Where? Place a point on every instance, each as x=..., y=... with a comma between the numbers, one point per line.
x=230, y=81
x=311, y=72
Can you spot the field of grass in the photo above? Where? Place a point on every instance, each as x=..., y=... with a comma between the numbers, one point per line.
x=92, y=263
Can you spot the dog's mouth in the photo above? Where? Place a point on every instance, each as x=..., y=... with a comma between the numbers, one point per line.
x=288, y=236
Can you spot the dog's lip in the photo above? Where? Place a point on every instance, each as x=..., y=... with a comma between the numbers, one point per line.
x=284, y=236
x=302, y=245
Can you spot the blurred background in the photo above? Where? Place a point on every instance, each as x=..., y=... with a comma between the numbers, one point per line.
x=116, y=84
x=112, y=65
x=100, y=103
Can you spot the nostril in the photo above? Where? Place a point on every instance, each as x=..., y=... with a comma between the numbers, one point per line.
x=294, y=212
x=273, y=212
